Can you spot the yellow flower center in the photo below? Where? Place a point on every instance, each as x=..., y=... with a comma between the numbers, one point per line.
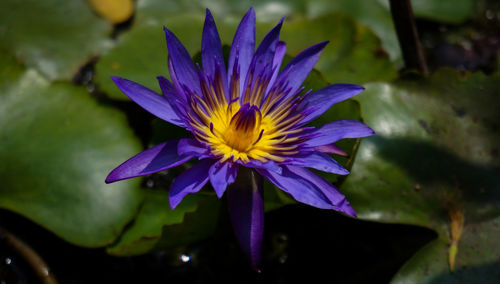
x=243, y=129
x=259, y=128
x=240, y=132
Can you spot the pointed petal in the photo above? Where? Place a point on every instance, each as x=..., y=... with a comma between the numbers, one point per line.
x=175, y=100
x=246, y=209
x=158, y=158
x=168, y=88
x=299, y=68
x=243, y=47
x=277, y=60
x=264, y=55
x=320, y=101
x=299, y=188
x=222, y=175
x=331, y=149
x=255, y=164
x=190, y=146
x=336, y=198
x=182, y=68
x=265, y=52
x=319, y=161
x=152, y=102
x=190, y=181
x=340, y=129
x=309, y=188
x=211, y=49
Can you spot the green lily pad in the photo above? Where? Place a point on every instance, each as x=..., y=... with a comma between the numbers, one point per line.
x=477, y=258
x=55, y=37
x=435, y=152
x=58, y=144
x=373, y=14
x=354, y=54
x=196, y=226
x=448, y=11
x=158, y=227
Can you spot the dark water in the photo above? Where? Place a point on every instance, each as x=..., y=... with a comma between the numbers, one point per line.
x=300, y=244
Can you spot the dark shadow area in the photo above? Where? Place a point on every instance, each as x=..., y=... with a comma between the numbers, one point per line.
x=300, y=244
x=431, y=165
x=472, y=45
x=120, y=28
x=489, y=273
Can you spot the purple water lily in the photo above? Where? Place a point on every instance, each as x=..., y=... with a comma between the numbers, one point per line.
x=249, y=118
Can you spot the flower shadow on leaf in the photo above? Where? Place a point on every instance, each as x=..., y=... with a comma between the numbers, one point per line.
x=440, y=169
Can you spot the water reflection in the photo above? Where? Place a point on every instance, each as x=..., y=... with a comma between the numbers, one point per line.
x=185, y=258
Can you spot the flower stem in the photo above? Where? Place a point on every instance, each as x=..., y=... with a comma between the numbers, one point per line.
x=406, y=29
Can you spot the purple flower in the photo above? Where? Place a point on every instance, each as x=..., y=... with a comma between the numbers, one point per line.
x=249, y=116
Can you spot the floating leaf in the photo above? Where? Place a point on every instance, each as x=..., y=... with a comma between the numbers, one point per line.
x=57, y=146
x=354, y=54
x=448, y=11
x=194, y=219
x=478, y=259
x=434, y=155
x=55, y=37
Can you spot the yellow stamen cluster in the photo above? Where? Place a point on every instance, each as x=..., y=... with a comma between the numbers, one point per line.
x=244, y=131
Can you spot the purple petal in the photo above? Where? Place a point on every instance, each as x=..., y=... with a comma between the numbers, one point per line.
x=309, y=188
x=190, y=181
x=168, y=88
x=182, y=69
x=336, y=198
x=246, y=209
x=264, y=56
x=176, y=101
x=299, y=188
x=334, y=131
x=211, y=49
x=222, y=175
x=265, y=52
x=255, y=164
x=331, y=149
x=318, y=102
x=190, y=146
x=158, y=158
x=297, y=70
x=149, y=100
x=319, y=161
x=243, y=47
x=277, y=60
